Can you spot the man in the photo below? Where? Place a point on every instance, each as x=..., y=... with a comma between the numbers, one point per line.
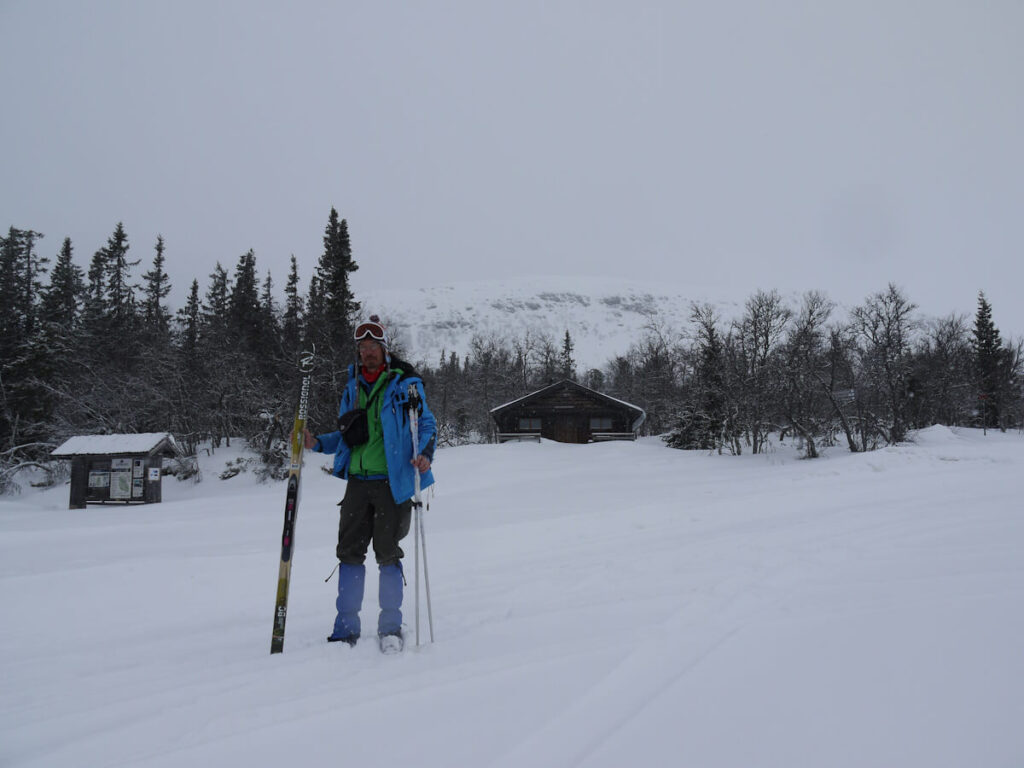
x=375, y=454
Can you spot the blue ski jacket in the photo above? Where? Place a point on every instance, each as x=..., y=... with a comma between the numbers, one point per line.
x=394, y=417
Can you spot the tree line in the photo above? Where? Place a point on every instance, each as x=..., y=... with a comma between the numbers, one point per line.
x=798, y=372
x=98, y=350
x=864, y=380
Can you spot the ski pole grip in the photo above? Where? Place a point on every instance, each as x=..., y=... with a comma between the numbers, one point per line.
x=414, y=413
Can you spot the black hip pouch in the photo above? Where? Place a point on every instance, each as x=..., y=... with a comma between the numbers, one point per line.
x=354, y=428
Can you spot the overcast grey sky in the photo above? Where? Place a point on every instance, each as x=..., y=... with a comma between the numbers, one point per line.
x=728, y=146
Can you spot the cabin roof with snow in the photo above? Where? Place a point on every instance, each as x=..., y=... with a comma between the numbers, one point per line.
x=138, y=444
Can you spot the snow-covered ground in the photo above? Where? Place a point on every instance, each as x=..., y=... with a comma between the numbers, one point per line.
x=601, y=605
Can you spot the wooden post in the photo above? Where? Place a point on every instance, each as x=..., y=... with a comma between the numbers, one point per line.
x=79, y=482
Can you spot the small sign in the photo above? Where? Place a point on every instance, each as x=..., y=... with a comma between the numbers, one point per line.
x=121, y=484
x=120, y=463
x=154, y=474
x=99, y=479
x=137, y=488
x=137, y=468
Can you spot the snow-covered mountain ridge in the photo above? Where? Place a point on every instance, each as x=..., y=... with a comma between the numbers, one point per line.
x=603, y=316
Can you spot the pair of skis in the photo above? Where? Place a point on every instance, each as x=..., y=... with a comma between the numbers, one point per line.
x=291, y=508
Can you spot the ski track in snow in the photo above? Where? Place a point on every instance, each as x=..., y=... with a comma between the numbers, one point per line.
x=594, y=606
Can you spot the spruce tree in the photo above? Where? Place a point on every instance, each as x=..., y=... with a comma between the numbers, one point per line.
x=331, y=311
x=95, y=295
x=268, y=305
x=331, y=307
x=63, y=298
x=189, y=318
x=268, y=336
x=713, y=395
x=191, y=415
x=9, y=252
x=21, y=271
x=23, y=409
x=336, y=264
x=10, y=318
x=568, y=363
x=315, y=319
x=291, y=329
x=120, y=294
x=987, y=363
x=156, y=288
x=63, y=347
x=215, y=305
x=244, y=303
x=31, y=280
x=158, y=373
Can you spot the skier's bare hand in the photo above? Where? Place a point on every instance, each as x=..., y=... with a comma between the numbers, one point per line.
x=421, y=462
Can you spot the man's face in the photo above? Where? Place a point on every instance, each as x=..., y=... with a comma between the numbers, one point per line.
x=371, y=355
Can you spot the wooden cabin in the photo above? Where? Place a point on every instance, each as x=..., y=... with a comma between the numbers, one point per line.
x=568, y=413
x=116, y=468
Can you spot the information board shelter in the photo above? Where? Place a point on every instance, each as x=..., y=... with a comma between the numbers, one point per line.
x=568, y=413
x=123, y=469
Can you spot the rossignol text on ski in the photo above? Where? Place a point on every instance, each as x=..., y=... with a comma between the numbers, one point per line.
x=291, y=506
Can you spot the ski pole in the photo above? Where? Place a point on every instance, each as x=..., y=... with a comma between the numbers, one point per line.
x=417, y=504
x=416, y=562
x=426, y=579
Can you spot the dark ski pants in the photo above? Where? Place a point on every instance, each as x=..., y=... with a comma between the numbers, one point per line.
x=369, y=512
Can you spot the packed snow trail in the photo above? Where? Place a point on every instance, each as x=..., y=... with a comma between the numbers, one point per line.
x=594, y=605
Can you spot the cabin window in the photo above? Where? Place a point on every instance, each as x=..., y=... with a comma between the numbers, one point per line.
x=600, y=423
x=531, y=424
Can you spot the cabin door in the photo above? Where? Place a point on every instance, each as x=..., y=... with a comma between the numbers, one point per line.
x=566, y=432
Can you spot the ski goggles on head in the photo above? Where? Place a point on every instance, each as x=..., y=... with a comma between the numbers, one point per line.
x=370, y=331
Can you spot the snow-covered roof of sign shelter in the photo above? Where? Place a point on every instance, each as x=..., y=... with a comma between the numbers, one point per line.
x=145, y=443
